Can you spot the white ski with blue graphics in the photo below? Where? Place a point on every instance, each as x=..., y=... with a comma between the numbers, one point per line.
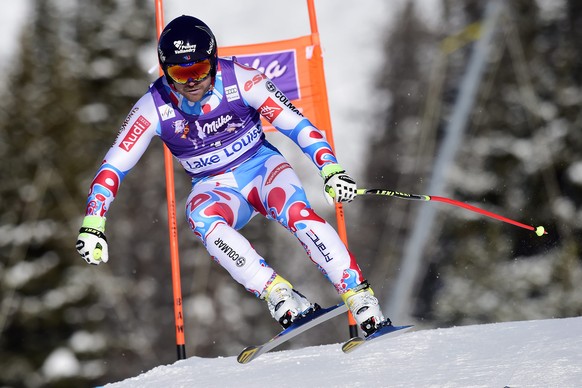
x=298, y=327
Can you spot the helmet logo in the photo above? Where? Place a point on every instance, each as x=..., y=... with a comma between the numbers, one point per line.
x=182, y=47
x=161, y=54
x=209, y=51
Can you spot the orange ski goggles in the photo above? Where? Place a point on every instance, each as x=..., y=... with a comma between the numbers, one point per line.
x=183, y=73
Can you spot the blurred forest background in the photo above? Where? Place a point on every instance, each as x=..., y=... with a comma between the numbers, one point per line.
x=66, y=324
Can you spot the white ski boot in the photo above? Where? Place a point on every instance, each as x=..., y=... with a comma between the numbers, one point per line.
x=365, y=309
x=286, y=304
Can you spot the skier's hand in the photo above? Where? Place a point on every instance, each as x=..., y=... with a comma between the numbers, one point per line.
x=338, y=186
x=91, y=243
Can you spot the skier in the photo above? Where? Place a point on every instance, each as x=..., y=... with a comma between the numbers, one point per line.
x=207, y=111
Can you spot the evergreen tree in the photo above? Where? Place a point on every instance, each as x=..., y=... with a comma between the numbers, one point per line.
x=75, y=75
x=82, y=67
x=518, y=158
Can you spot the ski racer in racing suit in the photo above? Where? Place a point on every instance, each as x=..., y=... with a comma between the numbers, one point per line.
x=207, y=111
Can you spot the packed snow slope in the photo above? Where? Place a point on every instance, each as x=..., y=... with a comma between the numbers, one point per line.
x=544, y=353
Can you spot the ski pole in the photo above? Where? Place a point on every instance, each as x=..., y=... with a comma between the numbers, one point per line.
x=421, y=197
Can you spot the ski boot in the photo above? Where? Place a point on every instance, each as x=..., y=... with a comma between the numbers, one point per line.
x=286, y=304
x=365, y=309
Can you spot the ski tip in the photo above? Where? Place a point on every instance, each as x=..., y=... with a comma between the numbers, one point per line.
x=248, y=354
x=352, y=344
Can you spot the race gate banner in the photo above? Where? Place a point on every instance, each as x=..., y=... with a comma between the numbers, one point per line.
x=296, y=67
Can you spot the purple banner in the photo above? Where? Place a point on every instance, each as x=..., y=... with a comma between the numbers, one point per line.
x=280, y=67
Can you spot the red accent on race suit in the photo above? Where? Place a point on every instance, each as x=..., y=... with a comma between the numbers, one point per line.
x=299, y=212
x=316, y=135
x=255, y=200
x=277, y=199
x=222, y=210
x=197, y=200
x=108, y=179
x=322, y=156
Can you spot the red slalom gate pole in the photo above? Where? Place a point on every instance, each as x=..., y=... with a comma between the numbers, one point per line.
x=172, y=224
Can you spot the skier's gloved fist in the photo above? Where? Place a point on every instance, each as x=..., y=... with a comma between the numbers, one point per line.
x=92, y=243
x=338, y=186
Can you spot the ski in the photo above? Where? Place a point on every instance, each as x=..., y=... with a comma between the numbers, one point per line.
x=383, y=332
x=311, y=320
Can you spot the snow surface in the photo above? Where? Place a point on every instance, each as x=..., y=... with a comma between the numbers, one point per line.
x=542, y=353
